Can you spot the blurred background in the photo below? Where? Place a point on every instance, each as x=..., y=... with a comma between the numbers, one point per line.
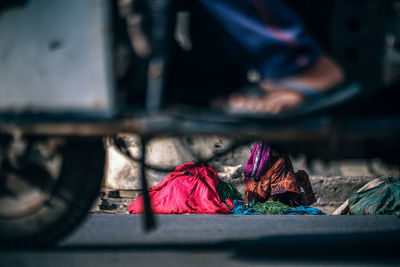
x=88, y=88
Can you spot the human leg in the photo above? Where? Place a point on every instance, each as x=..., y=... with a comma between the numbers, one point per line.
x=265, y=34
x=268, y=36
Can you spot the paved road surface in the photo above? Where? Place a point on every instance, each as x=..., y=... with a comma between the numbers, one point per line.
x=223, y=240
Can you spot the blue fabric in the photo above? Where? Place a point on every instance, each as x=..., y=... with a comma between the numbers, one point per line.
x=239, y=208
x=305, y=210
x=262, y=34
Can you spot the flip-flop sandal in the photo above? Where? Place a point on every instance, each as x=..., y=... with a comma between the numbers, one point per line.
x=315, y=102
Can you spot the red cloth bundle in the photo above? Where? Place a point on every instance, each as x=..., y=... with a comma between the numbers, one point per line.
x=191, y=188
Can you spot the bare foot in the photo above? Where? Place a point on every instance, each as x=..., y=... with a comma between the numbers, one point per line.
x=322, y=77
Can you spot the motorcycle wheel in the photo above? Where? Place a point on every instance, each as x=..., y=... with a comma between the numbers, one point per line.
x=47, y=186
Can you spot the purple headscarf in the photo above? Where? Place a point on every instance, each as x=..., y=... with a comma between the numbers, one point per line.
x=257, y=163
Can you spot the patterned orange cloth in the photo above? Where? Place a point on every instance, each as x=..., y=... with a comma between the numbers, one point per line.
x=281, y=183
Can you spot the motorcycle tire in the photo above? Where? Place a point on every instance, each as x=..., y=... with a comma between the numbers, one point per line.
x=61, y=202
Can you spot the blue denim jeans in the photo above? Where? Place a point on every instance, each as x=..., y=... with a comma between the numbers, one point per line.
x=262, y=34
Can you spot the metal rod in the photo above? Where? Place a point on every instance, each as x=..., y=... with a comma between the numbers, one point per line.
x=149, y=221
x=161, y=35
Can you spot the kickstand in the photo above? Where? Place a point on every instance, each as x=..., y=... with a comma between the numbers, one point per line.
x=149, y=221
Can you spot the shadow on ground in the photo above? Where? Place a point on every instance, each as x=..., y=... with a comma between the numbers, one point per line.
x=367, y=248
